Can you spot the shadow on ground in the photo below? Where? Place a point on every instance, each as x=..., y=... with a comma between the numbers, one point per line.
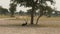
x=34, y=25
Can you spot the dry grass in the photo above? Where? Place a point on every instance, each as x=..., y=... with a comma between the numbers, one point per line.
x=42, y=29
x=43, y=18
x=4, y=16
x=42, y=21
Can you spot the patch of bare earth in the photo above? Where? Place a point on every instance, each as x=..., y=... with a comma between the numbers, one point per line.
x=29, y=30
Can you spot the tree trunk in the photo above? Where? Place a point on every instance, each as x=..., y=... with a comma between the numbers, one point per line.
x=32, y=12
x=38, y=19
x=32, y=15
x=12, y=14
x=41, y=14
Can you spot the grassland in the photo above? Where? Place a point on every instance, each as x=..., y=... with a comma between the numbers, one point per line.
x=45, y=26
x=43, y=18
x=43, y=21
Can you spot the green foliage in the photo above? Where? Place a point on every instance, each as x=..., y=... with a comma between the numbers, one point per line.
x=29, y=12
x=3, y=11
x=37, y=4
x=12, y=8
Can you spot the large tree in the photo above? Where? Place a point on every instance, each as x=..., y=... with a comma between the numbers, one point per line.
x=35, y=4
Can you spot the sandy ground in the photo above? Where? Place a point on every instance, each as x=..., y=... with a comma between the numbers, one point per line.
x=28, y=30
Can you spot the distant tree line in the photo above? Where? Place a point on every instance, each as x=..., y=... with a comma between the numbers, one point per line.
x=3, y=11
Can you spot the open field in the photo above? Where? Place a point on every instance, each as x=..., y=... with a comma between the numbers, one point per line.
x=43, y=18
x=45, y=25
x=21, y=19
x=43, y=21
x=29, y=30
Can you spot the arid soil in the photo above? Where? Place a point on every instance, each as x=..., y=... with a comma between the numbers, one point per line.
x=28, y=30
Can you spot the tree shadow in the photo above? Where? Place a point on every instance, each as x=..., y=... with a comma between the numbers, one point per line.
x=29, y=25
x=20, y=25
